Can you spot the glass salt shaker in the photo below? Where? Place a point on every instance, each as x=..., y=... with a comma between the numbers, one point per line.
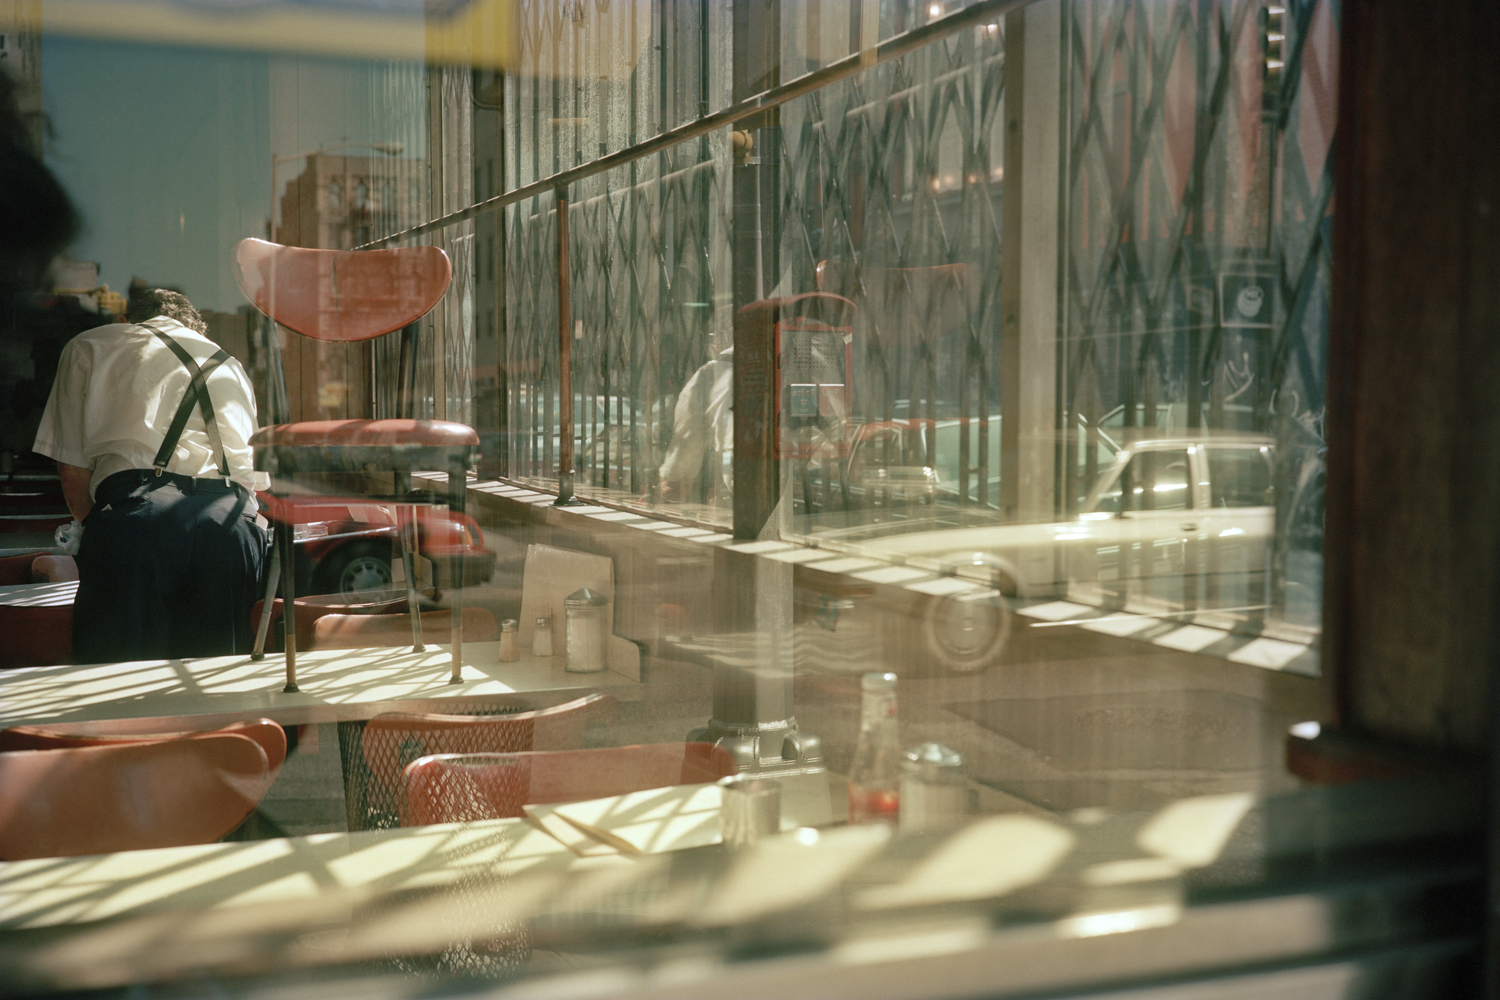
x=541, y=639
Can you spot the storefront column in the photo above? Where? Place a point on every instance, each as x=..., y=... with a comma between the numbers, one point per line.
x=1029, y=282
x=1412, y=579
x=752, y=704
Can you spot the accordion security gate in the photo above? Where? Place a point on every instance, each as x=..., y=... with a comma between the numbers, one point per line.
x=1194, y=177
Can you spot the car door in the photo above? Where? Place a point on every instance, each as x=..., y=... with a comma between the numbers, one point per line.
x=1143, y=515
x=1237, y=522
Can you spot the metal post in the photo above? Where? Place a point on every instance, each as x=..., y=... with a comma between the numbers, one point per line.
x=268, y=603
x=286, y=537
x=564, y=356
x=752, y=704
x=457, y=485
x=756, y=240
x=406, y=373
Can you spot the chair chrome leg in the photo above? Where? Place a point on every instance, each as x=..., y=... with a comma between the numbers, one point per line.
x=457, y=483
x=267, y=604
x=409, y=565
x=289, y=605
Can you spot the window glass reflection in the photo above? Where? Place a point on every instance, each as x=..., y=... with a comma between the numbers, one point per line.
x=998, y=366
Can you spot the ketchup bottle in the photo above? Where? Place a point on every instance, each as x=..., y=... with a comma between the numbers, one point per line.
x=875, y=776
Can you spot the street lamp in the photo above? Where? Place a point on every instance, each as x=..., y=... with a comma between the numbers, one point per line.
x=392, y=149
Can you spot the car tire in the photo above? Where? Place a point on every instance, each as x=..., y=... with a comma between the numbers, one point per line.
x=964, y=636
x=357, y=569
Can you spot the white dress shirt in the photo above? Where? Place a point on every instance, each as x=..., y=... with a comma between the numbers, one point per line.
x=118, y=388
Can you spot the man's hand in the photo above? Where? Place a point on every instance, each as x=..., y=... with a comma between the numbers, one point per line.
x=75, y=487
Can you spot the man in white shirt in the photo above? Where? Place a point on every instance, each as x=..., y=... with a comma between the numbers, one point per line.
x=703, y=436
x=160, y=474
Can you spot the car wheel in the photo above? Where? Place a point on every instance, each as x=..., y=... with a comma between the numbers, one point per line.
x=965, y=636
x=357, y=569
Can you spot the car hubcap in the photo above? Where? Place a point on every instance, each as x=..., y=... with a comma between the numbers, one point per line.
x=365, y=573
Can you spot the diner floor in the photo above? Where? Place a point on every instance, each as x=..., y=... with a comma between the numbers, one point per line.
x=308, y=795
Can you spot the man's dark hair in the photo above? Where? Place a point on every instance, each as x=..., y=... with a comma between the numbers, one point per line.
x=149, y=303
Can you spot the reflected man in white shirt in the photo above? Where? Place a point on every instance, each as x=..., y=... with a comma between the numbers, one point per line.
x=149, y=423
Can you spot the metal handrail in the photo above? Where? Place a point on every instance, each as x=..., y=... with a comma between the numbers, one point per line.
x=891, y=48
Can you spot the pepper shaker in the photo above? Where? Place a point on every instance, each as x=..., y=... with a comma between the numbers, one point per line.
x=509, y=653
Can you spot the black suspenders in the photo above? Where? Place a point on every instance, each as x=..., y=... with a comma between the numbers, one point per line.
x=197, y=393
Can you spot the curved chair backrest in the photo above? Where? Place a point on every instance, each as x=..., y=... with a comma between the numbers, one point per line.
x=395, y=739
x=331, y=631
x=54, y=569
x=453, y=788
x=35, y=636
x=99, y=799
x=268, y=734
x=909, y=302
x=341, y=295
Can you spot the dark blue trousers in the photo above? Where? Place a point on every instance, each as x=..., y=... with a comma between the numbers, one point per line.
x=168, y=568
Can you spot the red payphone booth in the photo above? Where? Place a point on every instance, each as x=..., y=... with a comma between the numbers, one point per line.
x=813, y=346
x=794, y=364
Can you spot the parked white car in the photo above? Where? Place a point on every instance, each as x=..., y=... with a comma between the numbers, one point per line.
x=1172, y=523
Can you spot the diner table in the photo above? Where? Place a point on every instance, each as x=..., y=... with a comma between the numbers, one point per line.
x=47, y=892
x=293, y=885
x=336, y=685
x=50, y=892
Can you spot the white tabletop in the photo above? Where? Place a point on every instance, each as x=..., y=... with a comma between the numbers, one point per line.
x=39, y=595
x=336, y=685
x=50, y=892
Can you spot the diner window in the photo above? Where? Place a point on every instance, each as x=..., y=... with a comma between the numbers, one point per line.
x=979, y=344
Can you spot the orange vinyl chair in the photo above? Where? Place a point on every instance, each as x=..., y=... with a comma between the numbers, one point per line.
x=17, y=569
x=393, y=740
x=35, y=636
x=100, y=799
x=461, y=788
x=54, y=569
x=268, y=734
x=346, y=296
x=335, y=631
x=911, y=303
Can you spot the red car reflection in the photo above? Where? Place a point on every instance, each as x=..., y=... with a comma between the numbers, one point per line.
x=347, y=545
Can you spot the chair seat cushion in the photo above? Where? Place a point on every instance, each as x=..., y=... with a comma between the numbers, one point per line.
x=351, y=445
x=366, y=433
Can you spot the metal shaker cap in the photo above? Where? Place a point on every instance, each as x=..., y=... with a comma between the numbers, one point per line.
x=585, y=598
x=875, y=680
x=509, y=625
x=933, y=762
